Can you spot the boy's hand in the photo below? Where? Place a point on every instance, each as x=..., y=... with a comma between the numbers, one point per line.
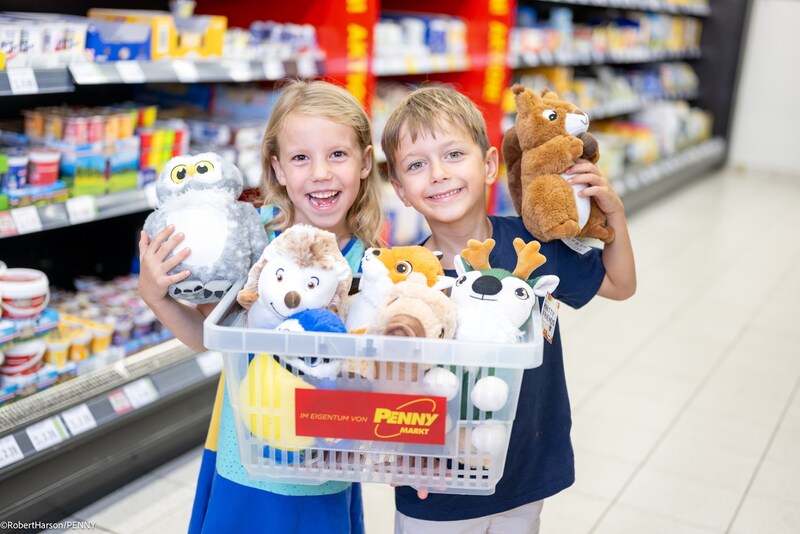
x=154, y=281
x=598, y=187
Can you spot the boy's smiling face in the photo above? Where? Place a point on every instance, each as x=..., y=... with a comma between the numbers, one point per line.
x=443, y=174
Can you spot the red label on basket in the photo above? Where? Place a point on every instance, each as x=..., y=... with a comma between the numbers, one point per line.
x=370, y=416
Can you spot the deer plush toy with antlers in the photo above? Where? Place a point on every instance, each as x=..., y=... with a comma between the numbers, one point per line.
x=495, y=304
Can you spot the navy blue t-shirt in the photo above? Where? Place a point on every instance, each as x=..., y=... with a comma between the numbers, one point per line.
x=540, y=461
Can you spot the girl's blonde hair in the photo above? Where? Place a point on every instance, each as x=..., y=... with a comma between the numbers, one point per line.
x=322, y=99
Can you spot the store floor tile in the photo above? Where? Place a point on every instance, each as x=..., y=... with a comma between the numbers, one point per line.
x=686, y=403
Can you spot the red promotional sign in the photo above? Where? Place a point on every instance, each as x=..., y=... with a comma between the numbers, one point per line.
x=370, y=416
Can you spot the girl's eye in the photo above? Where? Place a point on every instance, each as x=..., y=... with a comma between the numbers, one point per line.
x=313, y=282
x=339, y=154
x=299, y=157
x=279, y=274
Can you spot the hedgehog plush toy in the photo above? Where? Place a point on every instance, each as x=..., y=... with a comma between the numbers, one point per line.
x=199, y=196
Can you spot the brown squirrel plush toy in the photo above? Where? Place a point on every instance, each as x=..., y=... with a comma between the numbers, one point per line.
x=548, y=136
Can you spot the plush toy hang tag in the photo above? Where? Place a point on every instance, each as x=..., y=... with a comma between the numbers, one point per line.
x=576, y=245
x=549, y=317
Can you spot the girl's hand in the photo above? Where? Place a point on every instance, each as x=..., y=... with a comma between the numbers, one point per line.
x=598, y=187
x=154, y=280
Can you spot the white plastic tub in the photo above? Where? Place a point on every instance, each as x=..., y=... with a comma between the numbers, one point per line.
x=391, y=428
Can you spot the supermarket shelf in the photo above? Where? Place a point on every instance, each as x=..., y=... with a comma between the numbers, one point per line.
x=77, y=210
x=435, y=63
x=572, y=59
x=60, y=446
x=642, y=186
x=641, y=5
x=35, y=81
x=194, y=71
x=64, y=79
x=615, y=109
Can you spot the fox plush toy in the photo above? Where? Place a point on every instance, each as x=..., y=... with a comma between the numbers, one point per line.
x=549, y=134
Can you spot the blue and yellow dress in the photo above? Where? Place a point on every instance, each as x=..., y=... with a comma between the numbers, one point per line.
x=226, y=500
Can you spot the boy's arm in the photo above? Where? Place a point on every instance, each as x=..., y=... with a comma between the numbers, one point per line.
x=620, y=279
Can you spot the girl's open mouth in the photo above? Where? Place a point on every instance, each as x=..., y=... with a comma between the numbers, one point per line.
x=323, y=199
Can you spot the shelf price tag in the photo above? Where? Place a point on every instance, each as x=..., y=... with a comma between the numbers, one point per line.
x=274, y=69
x=210, y=363
x=239, y=71
x=22, y=81
x=186, y=71
x=79, y=419
x=130, y=71
x=141, y=392
x=86, y=73
x=26, y=219
x=81, y=209
x=7, y=226
x=47, y=433
x=119, y=402
x=306, y=66
x=9, y=451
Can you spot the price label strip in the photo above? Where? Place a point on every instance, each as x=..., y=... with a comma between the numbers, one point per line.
x=274, y=69
x=130, y=71
x=210, y=363
x=82, y=209
x=26, y=219
x=141, y=392
x=9, y=451
x=79, y=419
x=47, y=433
x=239, y=71
x=186, y=71
x=119, y=402
x=86, y=73
x=22, y=81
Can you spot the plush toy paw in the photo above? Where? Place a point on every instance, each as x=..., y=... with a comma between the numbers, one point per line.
x=246, y=299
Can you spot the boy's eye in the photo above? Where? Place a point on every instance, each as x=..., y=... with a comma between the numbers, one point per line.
x=455, y=154
x=414, y=166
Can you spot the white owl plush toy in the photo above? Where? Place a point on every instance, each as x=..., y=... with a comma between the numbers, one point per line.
x=199, y=195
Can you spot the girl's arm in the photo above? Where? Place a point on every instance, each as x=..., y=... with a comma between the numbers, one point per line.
x=184, y=321
x=620, y=280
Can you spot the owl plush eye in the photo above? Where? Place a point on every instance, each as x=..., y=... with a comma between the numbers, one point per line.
x=178, y=174
x=204, y=167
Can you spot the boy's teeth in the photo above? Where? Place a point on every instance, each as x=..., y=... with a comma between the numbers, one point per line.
x=445, y=195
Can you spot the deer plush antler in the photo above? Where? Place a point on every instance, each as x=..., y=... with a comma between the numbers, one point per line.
x=477, y=253
x=528, y=258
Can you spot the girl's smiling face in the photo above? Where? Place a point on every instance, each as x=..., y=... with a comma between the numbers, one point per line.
x=321, y=165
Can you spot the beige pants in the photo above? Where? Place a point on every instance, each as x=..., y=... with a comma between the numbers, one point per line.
x=521, y=520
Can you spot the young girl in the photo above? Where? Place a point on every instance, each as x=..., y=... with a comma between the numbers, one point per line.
x=318, y=169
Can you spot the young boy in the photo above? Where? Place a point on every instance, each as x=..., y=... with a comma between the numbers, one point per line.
x=440, y=162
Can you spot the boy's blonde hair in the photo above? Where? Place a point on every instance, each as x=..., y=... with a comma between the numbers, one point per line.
x=429, y=110
x=322, y=99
